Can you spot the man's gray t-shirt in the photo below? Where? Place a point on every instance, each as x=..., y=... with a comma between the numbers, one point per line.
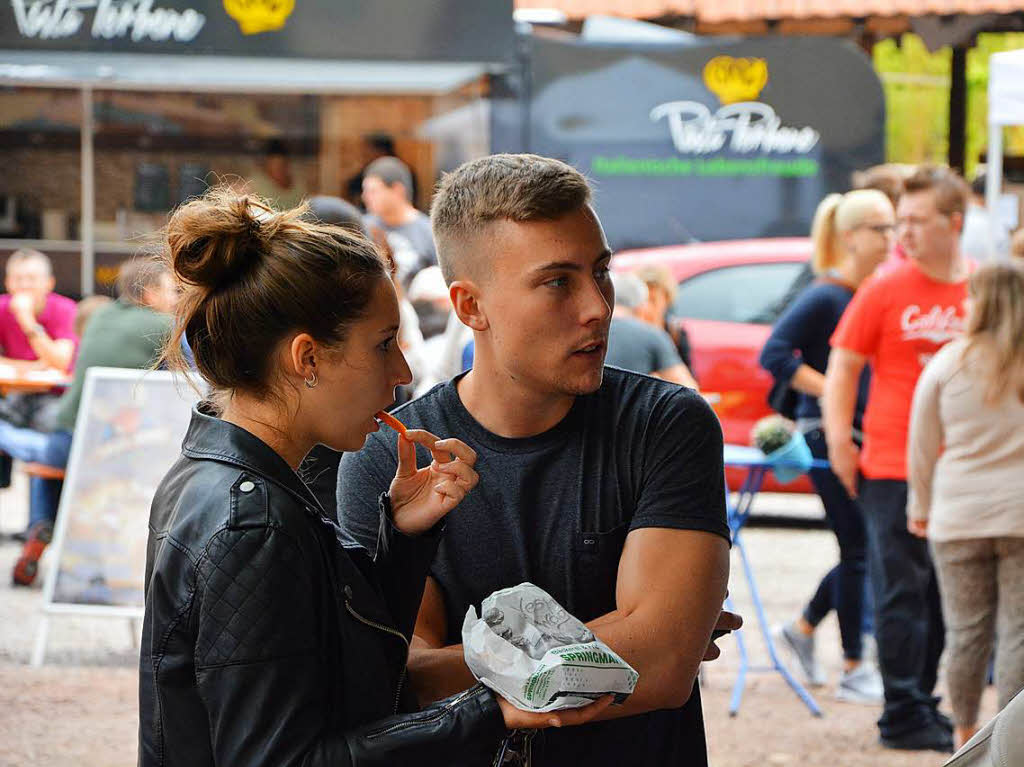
x=642, y=348
x=417, y=233
x=555, y=510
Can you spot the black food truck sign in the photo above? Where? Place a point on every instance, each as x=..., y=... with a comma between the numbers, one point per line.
x=439, y=30
x=720, y=139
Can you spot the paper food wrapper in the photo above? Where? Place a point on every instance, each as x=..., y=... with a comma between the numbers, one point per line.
x=528, y=649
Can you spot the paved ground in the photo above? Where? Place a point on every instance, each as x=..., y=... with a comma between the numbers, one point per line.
x=80, y=709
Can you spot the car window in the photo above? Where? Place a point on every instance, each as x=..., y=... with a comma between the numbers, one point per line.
x=750, y=293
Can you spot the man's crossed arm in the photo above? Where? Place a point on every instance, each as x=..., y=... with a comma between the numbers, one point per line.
x=668, y=599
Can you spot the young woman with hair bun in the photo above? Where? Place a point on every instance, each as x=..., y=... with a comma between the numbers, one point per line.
x=268, y=640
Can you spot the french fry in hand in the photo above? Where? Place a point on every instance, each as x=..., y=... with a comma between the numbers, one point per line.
x=391, y=421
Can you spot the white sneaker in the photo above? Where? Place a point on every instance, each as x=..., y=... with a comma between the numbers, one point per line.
x=862, y=684
x=870, y=651
x=801, y=647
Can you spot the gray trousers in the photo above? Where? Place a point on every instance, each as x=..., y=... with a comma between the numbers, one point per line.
x=982, y=585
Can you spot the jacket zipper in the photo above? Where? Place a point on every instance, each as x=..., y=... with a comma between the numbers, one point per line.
x=428, y=720
x=387, y=630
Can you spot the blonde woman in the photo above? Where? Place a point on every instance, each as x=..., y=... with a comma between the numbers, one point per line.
x=966, y=471
x=852, y=234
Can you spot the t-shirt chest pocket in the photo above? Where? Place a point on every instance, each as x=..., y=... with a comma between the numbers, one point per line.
x=596, y=544
x=596, y=562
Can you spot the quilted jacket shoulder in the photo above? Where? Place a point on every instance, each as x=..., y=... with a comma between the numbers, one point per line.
x=266, y=642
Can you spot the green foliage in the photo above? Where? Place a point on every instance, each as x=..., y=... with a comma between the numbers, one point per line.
x=977, y=97
x=916, y=84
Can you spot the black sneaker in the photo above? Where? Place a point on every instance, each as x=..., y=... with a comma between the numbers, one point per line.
x=932, y=737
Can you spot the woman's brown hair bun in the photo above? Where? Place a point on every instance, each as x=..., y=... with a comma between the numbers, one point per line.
x=217, y=237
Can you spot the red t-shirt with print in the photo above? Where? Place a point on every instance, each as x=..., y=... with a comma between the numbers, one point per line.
x=898, y=320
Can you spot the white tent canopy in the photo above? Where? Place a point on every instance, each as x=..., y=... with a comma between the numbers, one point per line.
x=1005, y=107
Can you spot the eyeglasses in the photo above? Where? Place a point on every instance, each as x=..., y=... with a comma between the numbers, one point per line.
x=884, y=229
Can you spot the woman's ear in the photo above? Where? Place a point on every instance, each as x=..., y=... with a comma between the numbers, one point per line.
x=302, y=355
x=848, y=239
x=465, y=296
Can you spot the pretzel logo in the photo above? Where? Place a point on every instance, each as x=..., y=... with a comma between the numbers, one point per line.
x=255, y=16
x=734, y=80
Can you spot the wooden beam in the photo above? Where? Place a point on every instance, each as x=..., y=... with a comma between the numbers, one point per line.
x=815, y=27
x=958, y=109
x=755, y=28
x=888, y=26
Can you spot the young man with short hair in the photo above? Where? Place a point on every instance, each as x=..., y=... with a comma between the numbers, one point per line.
x=127, y=333
x=387, y=193
x=603, y=487
x=896, y=321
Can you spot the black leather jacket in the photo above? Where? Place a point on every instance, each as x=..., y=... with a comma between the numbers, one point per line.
x=268, y=642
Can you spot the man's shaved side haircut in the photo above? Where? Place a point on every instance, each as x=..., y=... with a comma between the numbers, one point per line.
x=513, y=187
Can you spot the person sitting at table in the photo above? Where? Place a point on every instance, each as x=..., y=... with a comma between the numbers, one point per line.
x=36, y=331
x=852, y=236
x=127, y=333
x=36, y=324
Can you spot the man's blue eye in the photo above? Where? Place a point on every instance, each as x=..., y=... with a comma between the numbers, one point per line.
x=385, y=346
x=558, y=282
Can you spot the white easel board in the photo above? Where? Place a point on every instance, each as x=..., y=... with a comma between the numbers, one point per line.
x=128, y=432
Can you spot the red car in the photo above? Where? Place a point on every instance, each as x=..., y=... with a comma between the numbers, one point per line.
x=729, y=295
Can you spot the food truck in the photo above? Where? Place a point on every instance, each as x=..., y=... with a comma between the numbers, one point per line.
x=700, y=139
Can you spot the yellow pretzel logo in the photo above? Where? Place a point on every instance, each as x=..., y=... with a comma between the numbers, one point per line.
x=735, y=80
x=255, y=16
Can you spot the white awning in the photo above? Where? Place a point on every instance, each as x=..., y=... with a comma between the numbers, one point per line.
x=1006, y=88
x=1005, y=107
x=233, y=74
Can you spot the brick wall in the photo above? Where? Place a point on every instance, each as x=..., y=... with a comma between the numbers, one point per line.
x=51, y=178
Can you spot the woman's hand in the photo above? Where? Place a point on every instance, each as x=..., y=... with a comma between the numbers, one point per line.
x=918, y=527
x=421, y=497
x=517, y=719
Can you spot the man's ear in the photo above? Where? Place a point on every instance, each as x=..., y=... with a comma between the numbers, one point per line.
x=465, y=296
x=957, y=220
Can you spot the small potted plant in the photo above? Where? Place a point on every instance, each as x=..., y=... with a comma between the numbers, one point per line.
x=783, y=446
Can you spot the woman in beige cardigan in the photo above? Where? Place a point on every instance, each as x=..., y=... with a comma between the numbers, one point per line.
x=966, y=464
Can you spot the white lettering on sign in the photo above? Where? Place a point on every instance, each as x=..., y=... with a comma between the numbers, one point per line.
x=938, y=325
x=748, y=127
x=137, y=19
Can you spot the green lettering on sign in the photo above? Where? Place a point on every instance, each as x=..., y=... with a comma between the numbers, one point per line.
x=621, y=165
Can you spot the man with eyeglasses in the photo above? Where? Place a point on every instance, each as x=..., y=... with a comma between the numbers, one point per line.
x=896, y=322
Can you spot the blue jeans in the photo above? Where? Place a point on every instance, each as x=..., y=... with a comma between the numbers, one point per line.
x=908, y=613
x=38, y=447
x=844, y=588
